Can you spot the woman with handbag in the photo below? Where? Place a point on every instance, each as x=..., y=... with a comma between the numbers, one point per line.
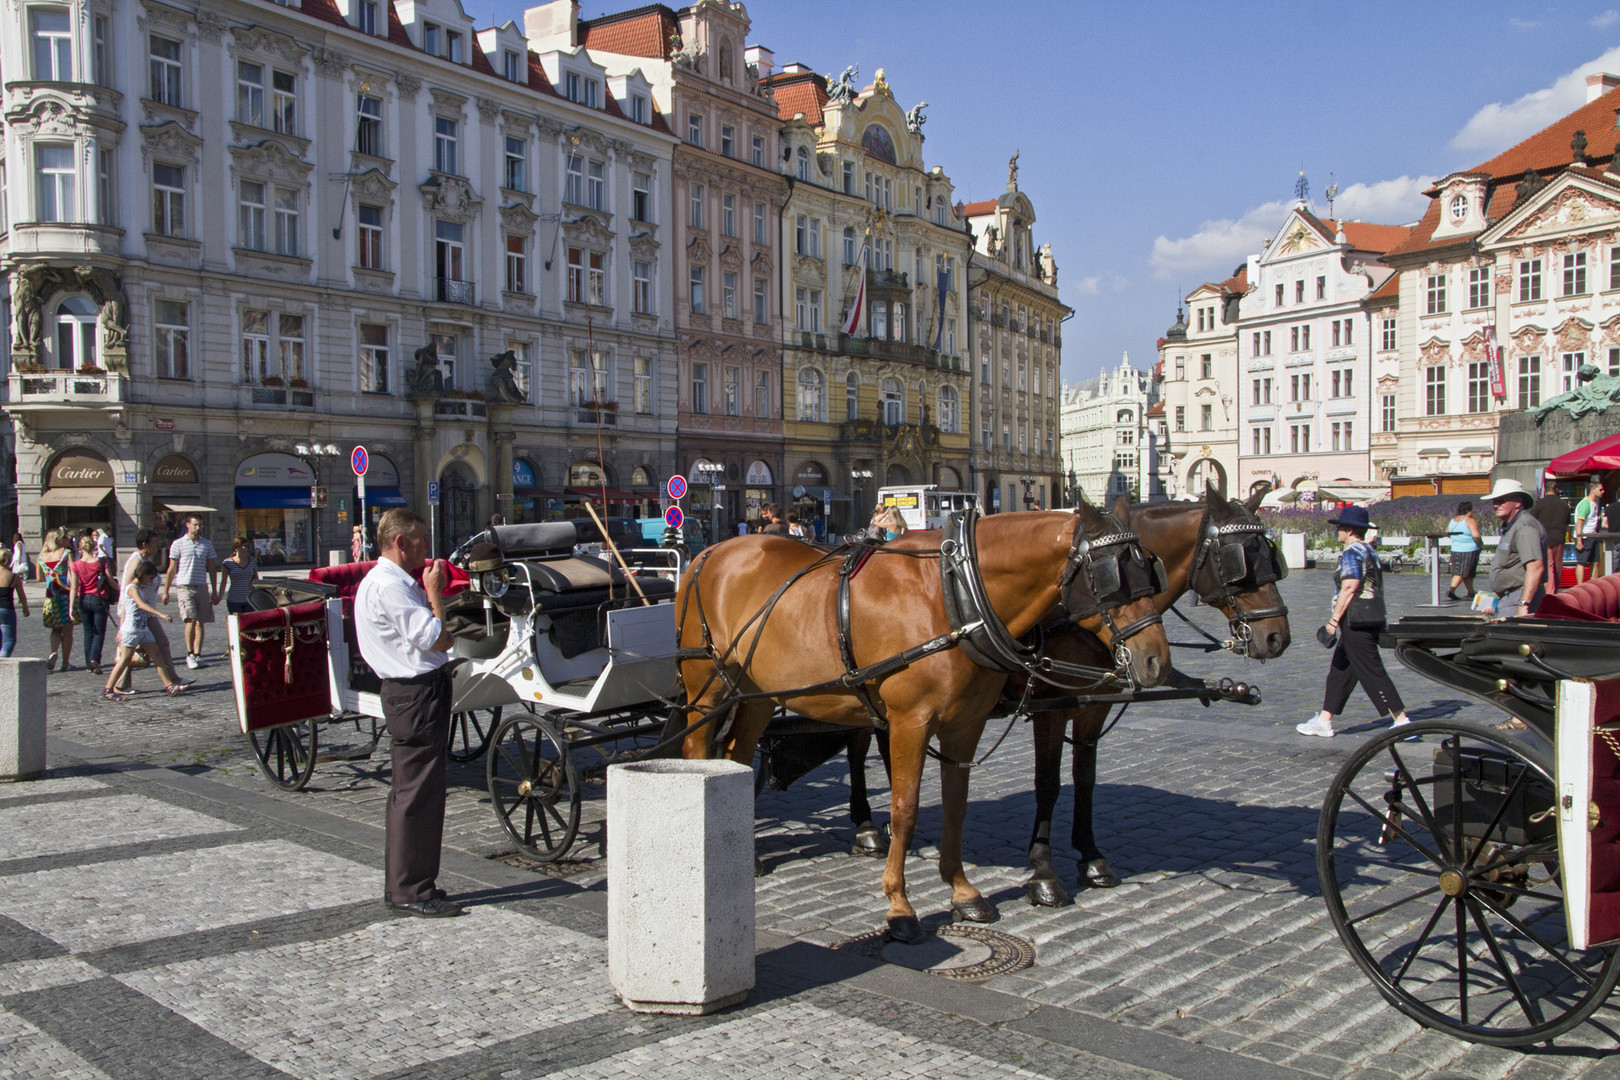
x=56, y=570
x=1352, y=631
x=11, y=595
x=93, y=598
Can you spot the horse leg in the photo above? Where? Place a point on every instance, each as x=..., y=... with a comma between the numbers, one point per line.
x=1094, y=868
x=1044, y=889
x=966, y=901
x=908, y=749
x=748, y=723
x=868, y=837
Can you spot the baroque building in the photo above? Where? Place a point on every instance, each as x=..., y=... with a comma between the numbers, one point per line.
x=1198, y=373
x=1015, y=324
x=726, y=198
x=873, y=299
x=238, y=236
x=1108, y=438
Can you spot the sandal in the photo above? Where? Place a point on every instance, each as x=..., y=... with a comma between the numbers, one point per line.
x=175, y=689
x=111, y=695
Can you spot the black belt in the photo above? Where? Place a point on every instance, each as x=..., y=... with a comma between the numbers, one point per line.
x=440, y=672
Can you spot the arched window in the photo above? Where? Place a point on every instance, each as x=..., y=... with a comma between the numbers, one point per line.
x=811, y=397
x=949, y=413
x=852, y=397
x=75, y=333
x=641, y=477
x=1125, y=416
x=586, y=474
x=804, y=163
x=877, y=142
x=893, y=396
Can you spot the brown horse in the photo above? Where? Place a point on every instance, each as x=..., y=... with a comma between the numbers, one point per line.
x=1198, y=543
x=761, y=611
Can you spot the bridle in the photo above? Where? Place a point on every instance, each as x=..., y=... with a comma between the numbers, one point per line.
x=1223, y=550
x=1105, y=579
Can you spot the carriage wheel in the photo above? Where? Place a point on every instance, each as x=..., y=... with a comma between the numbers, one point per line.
x=470, y=732
x=286, y=754
x=534, y=786
x=1462, y=929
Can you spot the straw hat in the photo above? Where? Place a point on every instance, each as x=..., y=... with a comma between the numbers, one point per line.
x=1509, y=489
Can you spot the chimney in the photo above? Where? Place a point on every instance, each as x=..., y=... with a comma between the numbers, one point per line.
x=1600, y=83
x=762, y=59
x=552, y=26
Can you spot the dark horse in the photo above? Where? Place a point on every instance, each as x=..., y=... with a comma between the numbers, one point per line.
x=758, y=628
x=1198, y=543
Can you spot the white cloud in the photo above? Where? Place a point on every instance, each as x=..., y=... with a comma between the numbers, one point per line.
x=1605, y=20
x=1097, y=283
x=1219, y=246
x=1523, y=24
x=1497, y=126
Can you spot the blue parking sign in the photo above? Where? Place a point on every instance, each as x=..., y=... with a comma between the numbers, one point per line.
x=433, y=491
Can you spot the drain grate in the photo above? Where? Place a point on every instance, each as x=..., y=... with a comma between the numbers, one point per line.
x=963, y=952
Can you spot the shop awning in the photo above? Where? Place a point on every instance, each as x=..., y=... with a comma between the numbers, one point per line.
x=384, y=496
x=186, y=508
x=273, y=498
x=613, y=495
x=825, y=494
x=73, y=496
x=1595, y=457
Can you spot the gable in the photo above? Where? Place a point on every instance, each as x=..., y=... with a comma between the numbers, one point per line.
x=1572, y=203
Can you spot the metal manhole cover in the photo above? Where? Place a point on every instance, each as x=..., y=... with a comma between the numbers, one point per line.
x=961, y=951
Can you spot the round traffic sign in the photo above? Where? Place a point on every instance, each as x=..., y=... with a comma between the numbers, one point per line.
x=676, y=486
x=357, y=461
x=673, y=517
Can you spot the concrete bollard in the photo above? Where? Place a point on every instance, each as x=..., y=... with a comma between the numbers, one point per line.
x=1293, y=550
x=336, y=556
x=22, y=718
x=680, y=857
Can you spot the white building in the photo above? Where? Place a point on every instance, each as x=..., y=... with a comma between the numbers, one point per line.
x=1198, y=371
x=1105, y=427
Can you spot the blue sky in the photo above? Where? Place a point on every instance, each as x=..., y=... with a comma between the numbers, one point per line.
x=1161, y=141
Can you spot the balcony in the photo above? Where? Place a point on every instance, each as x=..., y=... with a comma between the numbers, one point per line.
x=68, y=388
x=887, y=279
x=460, y=407
x=605, y=413
x=451, y=291
x=273, y=394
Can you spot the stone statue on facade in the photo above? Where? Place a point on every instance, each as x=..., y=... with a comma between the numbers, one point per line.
x=1012, y=172
x=503, y=380
x=1594, y=392
x=426, y=378
x=27, y=293
x=992, y=241
x=104, y=289
x=841, y=91
x=915, y=119
x=1048, y=264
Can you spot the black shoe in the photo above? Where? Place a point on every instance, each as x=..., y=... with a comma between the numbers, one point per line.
x=432, y=908
x=436, y=894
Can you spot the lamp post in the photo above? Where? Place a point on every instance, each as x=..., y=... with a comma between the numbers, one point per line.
x=314, y=452
x=710, y=472
x=1029, y=485
x=858, y=478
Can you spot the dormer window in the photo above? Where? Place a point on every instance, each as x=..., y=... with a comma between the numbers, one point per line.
x=452, y=41
x=510, y=66
x=1459, y=207
x=638, y=108
x=365, y=17
x=430, y=38
x=580, y=90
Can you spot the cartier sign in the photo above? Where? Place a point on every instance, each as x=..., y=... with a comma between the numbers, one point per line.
x=174, y=469
x=81, y=470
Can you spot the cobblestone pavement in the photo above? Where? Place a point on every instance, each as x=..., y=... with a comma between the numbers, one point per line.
x=190, y=919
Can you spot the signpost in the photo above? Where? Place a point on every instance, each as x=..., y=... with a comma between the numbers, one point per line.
x=358, y=461
x=673, y=517
x=433, y=516
x=676, y=487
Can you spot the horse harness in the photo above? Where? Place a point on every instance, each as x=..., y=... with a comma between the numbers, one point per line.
x=1229, y=561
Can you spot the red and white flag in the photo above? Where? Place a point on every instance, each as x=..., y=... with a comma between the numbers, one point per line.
x=1493, y=356
x=857, y=310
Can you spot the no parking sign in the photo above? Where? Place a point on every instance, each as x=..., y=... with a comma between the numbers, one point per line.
x=673, y=517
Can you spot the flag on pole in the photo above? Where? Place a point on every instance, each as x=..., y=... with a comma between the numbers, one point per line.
x=857, y=310
x=1493, y=356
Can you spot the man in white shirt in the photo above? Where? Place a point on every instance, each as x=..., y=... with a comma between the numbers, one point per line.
x=193, y=558
x=399, y=626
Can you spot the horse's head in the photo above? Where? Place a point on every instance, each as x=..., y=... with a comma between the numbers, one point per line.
x=1108, y=585
x=1236, y=569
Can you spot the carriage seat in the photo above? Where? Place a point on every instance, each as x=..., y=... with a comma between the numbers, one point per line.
x=580, y=581
x=1597, y=600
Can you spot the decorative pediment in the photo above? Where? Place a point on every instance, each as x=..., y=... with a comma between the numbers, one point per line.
x=518, y=220
x=373, y=184
x=516, y=122
x=730, y=256
x=1387, y=384
x=447, y=100
x=1560, y=207
x=169, y=141
x=586, y=139
x=644, y=245
x=1300, y=238
x=588, y=231
x=641, y=161
x=1528, y=338
x=761, y=262
x=1573, y=335
x=210, y=24
x=1473, y=348
x=409, y=86
x=329, y=62
x=1436, y=351
x=488, y=109
x=262, y=41
x=48, y=113
x=159, y=16
x=270, y=160
x=697, y=249
x=450, y=198
x=807, y=269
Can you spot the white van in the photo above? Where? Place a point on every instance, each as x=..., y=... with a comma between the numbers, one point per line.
x=925, y=506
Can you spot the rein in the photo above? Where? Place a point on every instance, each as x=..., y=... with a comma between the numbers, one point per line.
x=1222, y=595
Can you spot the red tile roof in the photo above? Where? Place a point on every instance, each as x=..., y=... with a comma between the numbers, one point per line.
x=1157, y=408
x=1376, y=238
x=1238, y=283
x=1389, y=290
x=799, y=92
x=979, y=209
x=1549, y=148
x=644, y=31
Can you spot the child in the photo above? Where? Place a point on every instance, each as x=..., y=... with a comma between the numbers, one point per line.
x=133, y=609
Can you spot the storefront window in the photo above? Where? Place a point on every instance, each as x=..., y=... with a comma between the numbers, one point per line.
x=279, y=535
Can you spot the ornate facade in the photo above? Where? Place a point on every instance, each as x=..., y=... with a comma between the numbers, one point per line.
x=239, y=234
x=1198, y=374
x=1109, y=439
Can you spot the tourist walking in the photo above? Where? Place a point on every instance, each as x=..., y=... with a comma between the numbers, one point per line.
x=148, y=549
x=1589, y=517
x=19, y=557
x=1552, y=510
x=56, y=571
x=93, y=597
x=1352, y=631
x=400, y=628
x=239, y=572
x=1464, y=533
x=1518, y=571
x=134, y=634
x=193, y=560
x=12, y=596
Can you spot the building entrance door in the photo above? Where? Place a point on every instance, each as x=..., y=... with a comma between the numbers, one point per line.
x=457, y=517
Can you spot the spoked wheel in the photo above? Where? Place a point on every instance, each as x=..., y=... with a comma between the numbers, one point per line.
x=534, y=786
x=470, y=732
x=286, y=754
x=1439, y=864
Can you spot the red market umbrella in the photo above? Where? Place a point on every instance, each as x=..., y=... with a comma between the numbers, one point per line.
x=1595, y=457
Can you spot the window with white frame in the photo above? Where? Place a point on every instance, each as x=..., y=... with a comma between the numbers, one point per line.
x=1181, y=418
x=101, y=50
x=166, y=84
x=574, y=184
x=700, y=387
x=638, y=108
x=250, y=93
x=1529, y=280
x=284, y=102
x=251, y=216
x=1614, y=267
x=1387, y=335
x=272, y=347
x=728, y=294
x=694, y=216
x=449, y=256
x=365, y=17
x=168, y=199
x=850, y=254
x=51, y=33
x=581, y=90
x=370, y=238
x=517, y=264
x=56, y=190
x=1386, y=412
x=76, y=336
x=812, y=404
x=511, y=68
x=522, y=370
x=587, y=276
x=732, y=391
x=762, y=396
x=762, y=302
x=892, y=399
x=1262, y=440
x=374, y=358
x=1479, y=387
x=1529, y=382
x=1434, y=390
x=446, y=144
x=641, y=287
x=803, y=163
x=258, y=362
x=286, y=221
x=761, y=235
x=644, y=386
x=171, y=340
x=1569, y=371
x=368, y=131
x=516, y=176
x=696, y=298
x=694, y=129
x=1479, y=286
x=1435, y=295
x=728, y=215
x=596, y=185
x=852, y=396
x=105, y=206
x=815, y=311
x=1575, y=273
x=949, y=411
x=641, y=197
x=728, y=141
x=758, y=157
x=801, y=309
x=447, y=346
x=1206, y=418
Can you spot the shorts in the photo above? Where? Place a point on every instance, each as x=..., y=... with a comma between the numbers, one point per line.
x=1586, y=553
x=194, y=603
x=1464, y=563
x=133, y=637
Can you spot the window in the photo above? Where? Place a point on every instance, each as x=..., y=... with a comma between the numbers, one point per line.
x=1299, y=438
x=574, y=186
x=697, y=291
x=810, y=395
x=1387, y=331
x=1321, y=288
x=761, y=235
x=1181, y=418
x=1479, y=387
x=371, y=236
x=368, y=125
x=76, y=336
x=580, y=90
x=1434, y=390
x=1570, y=367
x=596, y=185
x=1206, y=418
x=815, y=238
x=641, y=197
x=168, y=199
x=731, y=389
x=517, y=264
x=586, y=277
x=1254, y=345
x=1266, y=340
x=290, y=338
x=510, y=69
x=801, y=309
x=1261, y=440
x=762, y=303
x=1299, y=291
x=1256, y=394
x=171, y=340
x=1386, y=412
x=644, y=385
x=1435, y=295
x=516, y=176
x=728, y=141
x=1293, y=339
x=641, y=287
x=1305, y=337
x=449, y=253
x=1479, y=287
x=759, y=151
x=1575, y=273
x=728, y=294
x=452, y=46
x=57, y=195
x=52, y=33
x=803, y=157
x=815, y=311
x=638, y=108
x=366, y=17
x=1529, y=382
x=286, y=221
x=446, y=142
x=695, y=215
x=1529, y=280
x=700, y=387
x=892, y=398
x=250, y=93
x=256, y=363
x=728, y=215
x=878, y=317
x=694, y=129
x=1614, y=360
x=522, y=370
x=1279, y=297
x=100, y=51
x=165, y=84
x=762, y=395
x=284, y=102
x=373, y=358
x=850, y=254
x=1614, y=267
x=250, y=216
x=1206, y=366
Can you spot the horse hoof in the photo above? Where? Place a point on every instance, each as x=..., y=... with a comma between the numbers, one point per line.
x=1097, y=874
x=977, y=910
x=869, y=840
x=1047, y=892
x=906, y=930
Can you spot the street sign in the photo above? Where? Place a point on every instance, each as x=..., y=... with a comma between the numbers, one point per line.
x=673, y=517
x=317, y=497
x=360, y=487
x=676, y=486
x=433, y=491
x=358, y=461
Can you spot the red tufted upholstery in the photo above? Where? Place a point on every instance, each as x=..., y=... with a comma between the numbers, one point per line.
x=269, y=697
x=1597, y=600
